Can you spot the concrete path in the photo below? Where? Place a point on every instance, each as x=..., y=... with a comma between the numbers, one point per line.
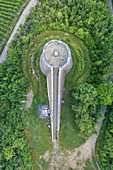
x=21, y=20
x=55, y=102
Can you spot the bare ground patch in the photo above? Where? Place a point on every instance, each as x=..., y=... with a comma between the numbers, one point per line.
x=64, y=159
x=29, y=99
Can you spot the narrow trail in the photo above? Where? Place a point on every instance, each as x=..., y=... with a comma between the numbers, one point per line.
x=29, y=99
x=21, y=20
x=103, y=108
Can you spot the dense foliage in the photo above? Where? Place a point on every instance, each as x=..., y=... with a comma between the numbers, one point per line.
x=9, y=12
x=105, y=142
x=86, y=100
x=15, y=152
x=105, y=93
x=84, y=104
x=88, y=20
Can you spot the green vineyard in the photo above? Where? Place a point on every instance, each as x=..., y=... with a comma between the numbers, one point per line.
x=10, y=10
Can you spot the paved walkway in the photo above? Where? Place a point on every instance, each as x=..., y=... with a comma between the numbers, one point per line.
x=21, y=20
x=55, y=102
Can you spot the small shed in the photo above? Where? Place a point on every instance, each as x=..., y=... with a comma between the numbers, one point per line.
x=43, y=111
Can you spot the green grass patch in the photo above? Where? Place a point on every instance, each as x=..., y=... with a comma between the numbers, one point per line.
x=69, y=134
x=40, y=136
x=88, y=165
x=43, y=164
x=94, y=162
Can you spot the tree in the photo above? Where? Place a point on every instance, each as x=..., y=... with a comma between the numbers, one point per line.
x=105, y=143
x=91, y=22
x=84, y=104
x=105, y=93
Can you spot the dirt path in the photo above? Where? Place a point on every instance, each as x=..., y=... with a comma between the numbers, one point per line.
x=29, y=99
x=21, y=20
x=65, y=159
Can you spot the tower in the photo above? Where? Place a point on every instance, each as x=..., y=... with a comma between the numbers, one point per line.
x=55, y=63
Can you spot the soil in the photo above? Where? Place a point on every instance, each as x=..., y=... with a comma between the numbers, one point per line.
x=29, y=99
x=65, y=159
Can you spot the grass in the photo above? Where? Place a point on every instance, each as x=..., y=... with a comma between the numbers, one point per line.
x=43, y=164
x=88, y=165
x=39, y=135
x=69, y=135
x=37, y=132
x=94, y=162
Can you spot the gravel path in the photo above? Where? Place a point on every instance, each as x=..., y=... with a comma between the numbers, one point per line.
x=21, y=20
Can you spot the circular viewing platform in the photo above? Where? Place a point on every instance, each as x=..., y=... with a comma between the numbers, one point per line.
x=56, y=53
